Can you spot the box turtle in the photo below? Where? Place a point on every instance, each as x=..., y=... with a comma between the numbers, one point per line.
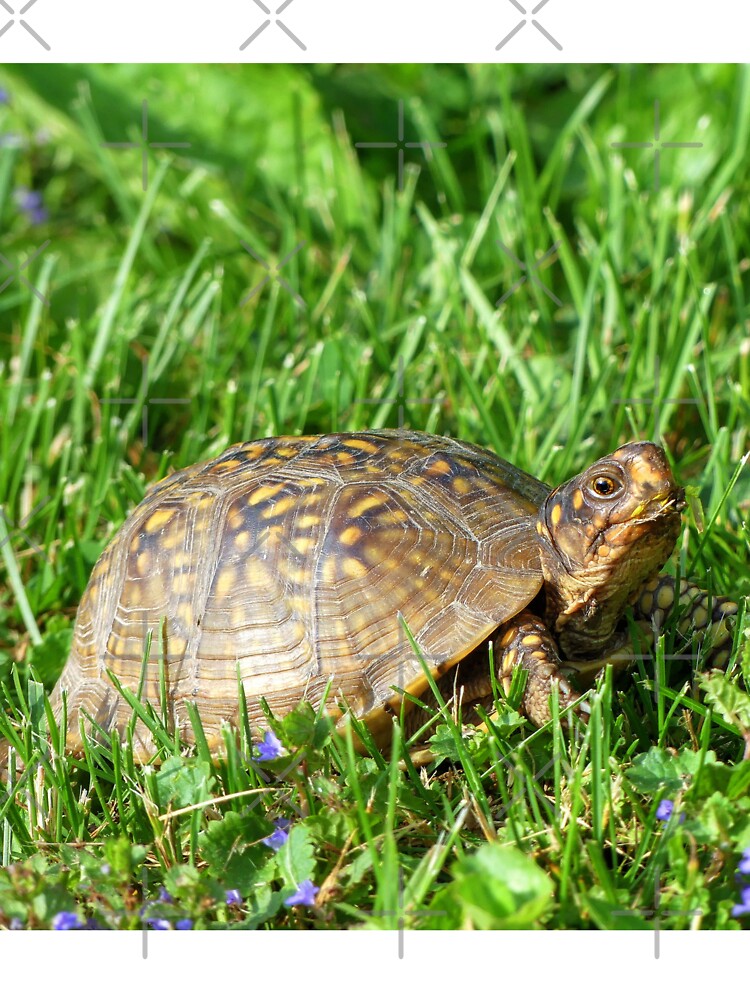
x=290, y=566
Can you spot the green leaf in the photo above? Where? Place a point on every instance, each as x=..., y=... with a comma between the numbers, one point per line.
x=232, y=848
x=295, y=858
x=659, y=771
x=123, y=857
x=301, y=728
x=262, y=906
x=727, y=699
x=183, y=781
x=500, y=888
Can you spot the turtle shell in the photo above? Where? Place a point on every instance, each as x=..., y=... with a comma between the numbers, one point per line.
x=290, y=566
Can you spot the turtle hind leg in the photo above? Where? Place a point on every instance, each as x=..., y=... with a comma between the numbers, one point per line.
x=711, y=617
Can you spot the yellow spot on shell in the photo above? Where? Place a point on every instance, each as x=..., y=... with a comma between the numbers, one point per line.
x=530, y=640
x=555, y=515
x=355, y=568
x=280, y=507
x=264, y=493
x=182, y=584
x=117, y=647
x=308, y=521
x=158, y=520
x=461, y=485
x=365, y=504
x=345, y=457
x=228, y=466
x=286, y=451
x=350, y=535
x=176, y=646
x=440, y=468
x=225, y=583
x=143, y=563
x=362, y=445
x=303, y=544
x=253, y=451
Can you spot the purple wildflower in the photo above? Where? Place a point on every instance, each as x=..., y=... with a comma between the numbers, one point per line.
x=270, y=746
x=158, y=924
x=164, y=896
x=186, y=924
x=233, y=897
x=280, y=834
x=664, y=810
x=305, y=894
x=743, y=866
x=739, y=909
x=16, y=924
x=66, y=921
x=105, y=869
x=32, y=205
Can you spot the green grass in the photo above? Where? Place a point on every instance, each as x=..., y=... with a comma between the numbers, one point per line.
x=516, y=828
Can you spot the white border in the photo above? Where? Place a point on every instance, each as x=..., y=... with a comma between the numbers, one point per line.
x=374, y=31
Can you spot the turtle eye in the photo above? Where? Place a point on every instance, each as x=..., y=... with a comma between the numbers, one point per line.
x=605, y=486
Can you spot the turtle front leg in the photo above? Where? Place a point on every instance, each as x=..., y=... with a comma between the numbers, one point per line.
x=712, y=618
x=526, y=642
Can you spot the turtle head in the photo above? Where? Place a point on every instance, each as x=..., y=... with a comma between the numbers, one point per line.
x=603, y=535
